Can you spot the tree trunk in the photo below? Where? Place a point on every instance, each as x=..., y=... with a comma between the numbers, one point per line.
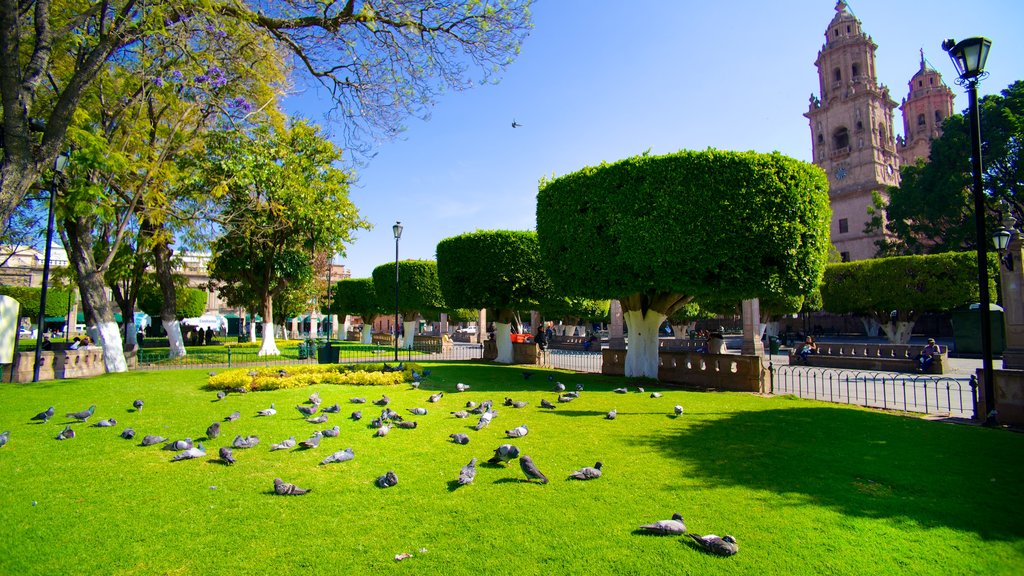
x=642, y=352
x=503, y=342
x=367, y=333
x=409, y=332
x=252, y=329
x=99, y=313
x=269, y=347
x=898, y=332
x=871, y=326
x=131, y=337
x=162, y=254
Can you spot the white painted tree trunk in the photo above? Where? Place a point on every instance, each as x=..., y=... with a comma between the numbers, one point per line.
x=898, y=332
x=367, y=334
x=346, y=327
x=503, y=342
x=682, y=331
x=174, y=339
x=269, y=347
x=409, y=333
x=871, y=326
x=769, y=328
x=252, y=331
x=561, y=329
x=642, y=352
x=131, y=337
x=314, y=326
x=113, y=348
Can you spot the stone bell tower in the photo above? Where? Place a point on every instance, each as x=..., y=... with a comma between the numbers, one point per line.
x=927, y=104
x=851, y=121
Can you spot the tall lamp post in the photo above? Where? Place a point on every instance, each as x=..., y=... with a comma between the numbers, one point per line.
x=59, y=164
x=397, y=229
x=969, y=58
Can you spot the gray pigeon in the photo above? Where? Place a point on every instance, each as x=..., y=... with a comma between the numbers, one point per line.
x=470, y=404
x=221, y=394
x=357, y=400
x=587, y=473
x=387, y=480
x=178, y=445
x=620, y=390
x=226, y=456
x=565, y=398
x=460, y=414
x=406, y=425
x=724, y=546
x=332, y=409
x=435, y=397
x=233, y=416
x=128, y=433
x=246, y=442
x=138, y=405
x=485, y=419
x=313, y=441
x=83, y=415
x=640, y=389
x=579, y=387
x=314, y=398
x=285, y=489
x=504, y=453
x=383, y=430
x=109, y=422
x=655, y=394
x=66, y=434
x=284, y=444
x=545, y=404
x=307, y=410
x=340, y=456
x=418, y=411
x=678, y=410
x=611, y=415
x=517, y=432
x=460, y=387
x=357, y=415
x=674, y=526
x=317, y=420
x=4, y=437
x=150, y=440
x=559, y=387
x=459, y=438
x=268, y=411
x=332, y=432
x=530, y=469
x=468, y=473
x=45, y=415
x=196, y=452
x=384, y=401
x=213, y=431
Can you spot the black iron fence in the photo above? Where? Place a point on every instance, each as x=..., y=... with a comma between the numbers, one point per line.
x=887, y=390
x=575, y=360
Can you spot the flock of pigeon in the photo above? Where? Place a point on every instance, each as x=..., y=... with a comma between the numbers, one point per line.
x=186, y=449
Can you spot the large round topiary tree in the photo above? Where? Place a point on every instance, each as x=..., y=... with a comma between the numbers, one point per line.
x=358, y=297
x=495, y=269
x=656, y=231
x=418, y=292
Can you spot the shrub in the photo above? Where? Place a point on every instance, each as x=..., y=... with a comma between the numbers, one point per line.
x=270, y=378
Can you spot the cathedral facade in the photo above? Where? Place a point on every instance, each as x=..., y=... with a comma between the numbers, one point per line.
x=852, y=129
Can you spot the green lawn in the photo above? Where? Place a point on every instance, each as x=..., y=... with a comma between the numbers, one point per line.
x=805, y=487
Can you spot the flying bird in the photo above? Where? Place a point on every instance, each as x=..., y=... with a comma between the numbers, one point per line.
x=128, y=433
x=517, y=432
x=515, y=124
x=387, y=480
x=150, y=440
x=226, y=456
x=467, y=473
x=504, y=453
x=284, y=444
x=246, y=442
x=724, y=546
x=340, y=456
x=283, y=488
x=83, y=415
x=267, y=411
x=45, y=415
x=459, y=438
x=138, y=405
x=587, y=473
x=674, y=526
x=194, y=452
x=530, y=469
x=66, y=434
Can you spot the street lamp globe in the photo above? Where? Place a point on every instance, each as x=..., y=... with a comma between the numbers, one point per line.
x=968, y=55
x=397, y=229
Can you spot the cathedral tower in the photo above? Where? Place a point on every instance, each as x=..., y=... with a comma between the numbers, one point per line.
x=928, y=103
x=852, y=133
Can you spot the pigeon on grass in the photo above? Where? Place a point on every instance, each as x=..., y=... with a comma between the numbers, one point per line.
x=503, y=454
x=587, y=473
x=673, y=526
x=4, y=437
x=611, y=415
x=530, y=469
x=213, y=430
x=655, y=394
x=459, y=438
x=418, y=411
x=317, y=420
x=332, y=409
x=406, y=425
x=332, y=432
x=724, y=546
x=460, y=387
x=387, y=480
x=128, y=433
x=287, y=444
x=151, y=439
x=194, y=452
x=108, y=423
x=66, y=434
x=460, y=414
x=467, y=473
x=83, y=415
x=357, y=400
x=545, y=404
x=339, y=456
x=307, y=410
x=245, y=442
x=138, y=405
x=357, y=415
x=178, y=445
x=312, y=442
x=226, y=456
x=517, y=432
x=435, y=397
x=283, y=488
x=678, y=410
x=45, y=415
x=383, y=401
x=233, y=416
x=268, y=411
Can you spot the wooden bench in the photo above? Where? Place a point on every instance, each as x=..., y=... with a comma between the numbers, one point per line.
x=573, y=343
x=880, y=357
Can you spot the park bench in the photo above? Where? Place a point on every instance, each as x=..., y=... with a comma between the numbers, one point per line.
x=573, y=343
x=861, y=356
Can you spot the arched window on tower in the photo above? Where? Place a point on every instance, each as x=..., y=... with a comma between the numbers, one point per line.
x=938, y=117
x=920, y=119
x=856, y=71
x=860, y=126
x=840, y=139
x=837, y=75
x=882, y=138
x=821, y=138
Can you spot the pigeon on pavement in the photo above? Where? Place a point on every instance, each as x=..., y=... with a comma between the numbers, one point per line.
x=128, y=433
x=418, y=411
x=246, y=442
x=503, y=454
x=226, y=456
x=674, y=526
x=213, y=430
x=588, y=473
x=468, y=472
x=66, y=434
x=105, y=423
x=178, y=445
x=530, y=469
x=45, y=415
x=233, y=416
x=545, y=404
x=268, y=411
x=285, y=489
x=284, y=444
x=340, y=456
x=459, y=438
x=332, y=432
x=83, y=415
x=150, y=440
x=611, y=415
x=387, y=480
x=724, y=546
x=138, y=405
x=313, y=441
x=517, y=432
x=195, y=452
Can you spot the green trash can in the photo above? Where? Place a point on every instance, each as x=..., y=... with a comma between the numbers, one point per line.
x=773, y=344
x=327, y=354
x=967, y=329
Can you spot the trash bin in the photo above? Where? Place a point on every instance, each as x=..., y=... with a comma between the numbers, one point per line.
x=967, y=329
x=773, y=345
x=327, y=354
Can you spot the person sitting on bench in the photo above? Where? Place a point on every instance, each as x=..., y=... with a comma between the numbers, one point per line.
x=927, y=356
x=806, y=349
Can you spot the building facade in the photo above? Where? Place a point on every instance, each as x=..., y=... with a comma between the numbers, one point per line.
x=852, y=129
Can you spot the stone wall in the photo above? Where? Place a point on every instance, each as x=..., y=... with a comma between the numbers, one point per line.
x=62, y=364
x=1009, y=388
x=718, y=371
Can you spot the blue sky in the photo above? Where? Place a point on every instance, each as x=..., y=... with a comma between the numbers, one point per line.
x=600, y=80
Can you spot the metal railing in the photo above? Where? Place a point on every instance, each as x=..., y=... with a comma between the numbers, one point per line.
x=575, y=360
x=887, y=390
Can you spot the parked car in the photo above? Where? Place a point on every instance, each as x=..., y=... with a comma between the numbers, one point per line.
x=468, y=330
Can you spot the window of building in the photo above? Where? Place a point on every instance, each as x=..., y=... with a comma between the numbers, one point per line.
x=860, y=125
x=920, y=83
x=837, y=75
x=844, y=226
x=821, y=138
x=845, y=256
x=856, y=70
x=881, y=134
x=920, y=119
x=840, y=139
x=847, y=29
x=860, y=143
x=938, y=117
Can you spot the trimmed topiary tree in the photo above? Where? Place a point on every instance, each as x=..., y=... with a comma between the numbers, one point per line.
x=656, y=231
x=495, y=269
x=418, y=292
x=29, y=297
x=358, y=297
x=573, y=310
x=894, y=292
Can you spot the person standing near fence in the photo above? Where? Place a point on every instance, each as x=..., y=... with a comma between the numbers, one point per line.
x=542, y=345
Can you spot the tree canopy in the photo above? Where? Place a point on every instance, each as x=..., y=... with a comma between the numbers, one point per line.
x=189, y=302
x=56, y=300
x=419, y=291
x=356, y=296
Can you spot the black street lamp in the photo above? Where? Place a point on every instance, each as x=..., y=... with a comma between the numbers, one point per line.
x=397, y=229
x=969, y=58
x=59, y=164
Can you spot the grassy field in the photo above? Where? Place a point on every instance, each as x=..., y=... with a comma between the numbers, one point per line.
x=805, y=487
